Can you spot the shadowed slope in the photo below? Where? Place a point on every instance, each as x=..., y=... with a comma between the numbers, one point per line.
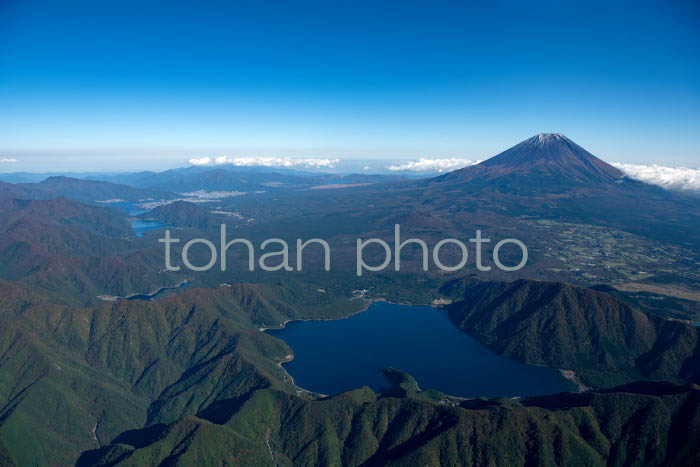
x=651, y=426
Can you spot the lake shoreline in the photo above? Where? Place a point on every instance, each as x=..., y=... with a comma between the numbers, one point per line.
x=369, y=301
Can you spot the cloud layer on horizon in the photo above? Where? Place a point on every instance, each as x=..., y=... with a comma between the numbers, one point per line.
x=266, y=162
x=8, y=160
x=683, y=178
x=432, y=165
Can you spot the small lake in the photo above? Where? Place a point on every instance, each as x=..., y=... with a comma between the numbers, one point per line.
x=141, y=226
x=132, y=209
x=336, y=356
x=161, y=293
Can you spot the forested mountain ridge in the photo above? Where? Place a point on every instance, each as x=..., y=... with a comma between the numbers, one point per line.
x=74, y=378
x=605, y=340
x=635, y=425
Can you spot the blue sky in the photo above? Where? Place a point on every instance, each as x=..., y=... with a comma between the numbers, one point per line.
x=121, y=85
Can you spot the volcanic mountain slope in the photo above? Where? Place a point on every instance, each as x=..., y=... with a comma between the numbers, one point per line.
x=550, y=156
x=547, y=176
x=550, y=177
x=560, y=325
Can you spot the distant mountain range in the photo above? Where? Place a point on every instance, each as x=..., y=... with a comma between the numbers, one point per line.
x=245, y=179
x=86, y=191
x=173, y=184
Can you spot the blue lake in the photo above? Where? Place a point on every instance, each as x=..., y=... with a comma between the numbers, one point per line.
x=336, y=356
x=162, y=293
x=132, y=209
x=140, y=226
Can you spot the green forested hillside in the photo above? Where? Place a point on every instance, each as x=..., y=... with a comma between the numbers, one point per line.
x=190, y=380
x=75, y=251
x=185, y=214
x=637, y=425
x=72, y=379
x=605, y=340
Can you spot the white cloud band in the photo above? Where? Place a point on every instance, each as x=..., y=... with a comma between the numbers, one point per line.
x=432, y=165
x=8, y=160
x=682, y=178
x=266, y=162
